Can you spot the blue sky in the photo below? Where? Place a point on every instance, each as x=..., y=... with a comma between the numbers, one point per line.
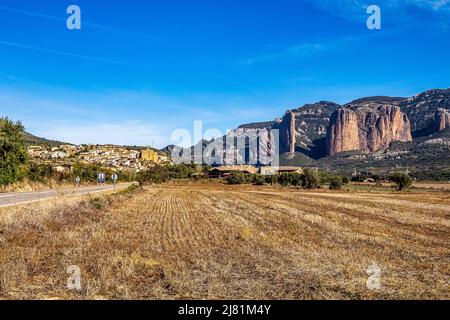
x=140, y=69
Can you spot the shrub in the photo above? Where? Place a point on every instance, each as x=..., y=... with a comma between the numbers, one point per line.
x=345, y=180
x=284, y=179
x=325, y=177
x=272, y=179
x=402, y=180
x=13, y=153
x=87, y=172
x=310, y=179
x=336, y=183
x=236, y=178
x=258, y=179
x=40, y=172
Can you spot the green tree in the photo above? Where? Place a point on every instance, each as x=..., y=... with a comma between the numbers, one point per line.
x=402, y=180
x=236, y=178
x=40, y=172
x=13, y=152
x=296, y=179
x=311, y=179
x=345, y=180
x=258, y=179
x=271, y=179
x=336, y=183
x=284, y=179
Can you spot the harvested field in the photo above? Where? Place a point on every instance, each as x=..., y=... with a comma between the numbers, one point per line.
x=212, y=241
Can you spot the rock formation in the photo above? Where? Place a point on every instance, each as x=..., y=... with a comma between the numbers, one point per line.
x=369, y=124
x=343, y=131
x=287, y=133
x=369, y=128
x=441, y=120
x=423, y=108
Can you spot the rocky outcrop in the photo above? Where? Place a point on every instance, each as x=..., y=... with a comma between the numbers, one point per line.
x=287, y=133
x=441, y=120
x=367, y=128
x=423, y=108
x=343, y=132
x=321, y=130
x=382, y=126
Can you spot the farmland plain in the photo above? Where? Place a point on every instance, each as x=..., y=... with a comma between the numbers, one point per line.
x=214, y=241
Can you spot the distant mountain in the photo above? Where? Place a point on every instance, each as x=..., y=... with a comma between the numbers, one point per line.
x=371, y=132
x=424, y=109
x=32, y=140
x=378, y=99
x=378, y=132
x=257, y=125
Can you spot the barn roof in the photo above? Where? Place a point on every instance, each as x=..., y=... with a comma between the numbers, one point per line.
x=236, y=168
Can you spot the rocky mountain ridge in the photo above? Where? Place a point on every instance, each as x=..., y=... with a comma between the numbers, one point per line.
x=369, y=124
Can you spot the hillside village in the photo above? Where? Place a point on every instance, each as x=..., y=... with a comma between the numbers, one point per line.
x=119, y=158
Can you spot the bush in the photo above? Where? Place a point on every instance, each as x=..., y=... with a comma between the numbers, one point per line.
x=87, y=172
x=13, y=152
x=310, y=179
x=177, y=171
x=284, y=179
x=345, y=180
x=258, y=179
x=272, y=179
x=296, y=179
x=236, y=178
x=402, y=181
x=336, y=183
x=325, y=177
x=40, y=172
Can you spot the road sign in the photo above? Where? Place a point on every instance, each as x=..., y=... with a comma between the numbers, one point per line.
x=114, y=178
x=101, y=178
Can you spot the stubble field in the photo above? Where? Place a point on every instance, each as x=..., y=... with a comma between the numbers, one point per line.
x=212, y=241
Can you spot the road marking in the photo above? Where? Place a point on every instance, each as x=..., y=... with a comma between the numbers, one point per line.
x=53, y=194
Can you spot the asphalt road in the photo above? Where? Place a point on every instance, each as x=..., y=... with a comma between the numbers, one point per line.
x=16, y=198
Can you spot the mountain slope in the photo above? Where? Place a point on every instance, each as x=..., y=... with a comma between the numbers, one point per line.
x=32, y=140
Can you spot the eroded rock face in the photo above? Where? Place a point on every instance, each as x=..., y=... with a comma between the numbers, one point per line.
x=367, y=128
x=287, y=133
x=442, y=120
x=423, y=108
x=343, y=132
x=382, y=126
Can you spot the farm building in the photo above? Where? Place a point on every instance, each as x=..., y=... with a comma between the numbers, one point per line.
x=224, y=171
x=271, y=171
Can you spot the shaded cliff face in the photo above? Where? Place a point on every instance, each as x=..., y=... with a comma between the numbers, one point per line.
x=287, y=132
x=312, y=121
x=423, y=108
x=304, y=129
x=370, y=127
x=441, y=120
